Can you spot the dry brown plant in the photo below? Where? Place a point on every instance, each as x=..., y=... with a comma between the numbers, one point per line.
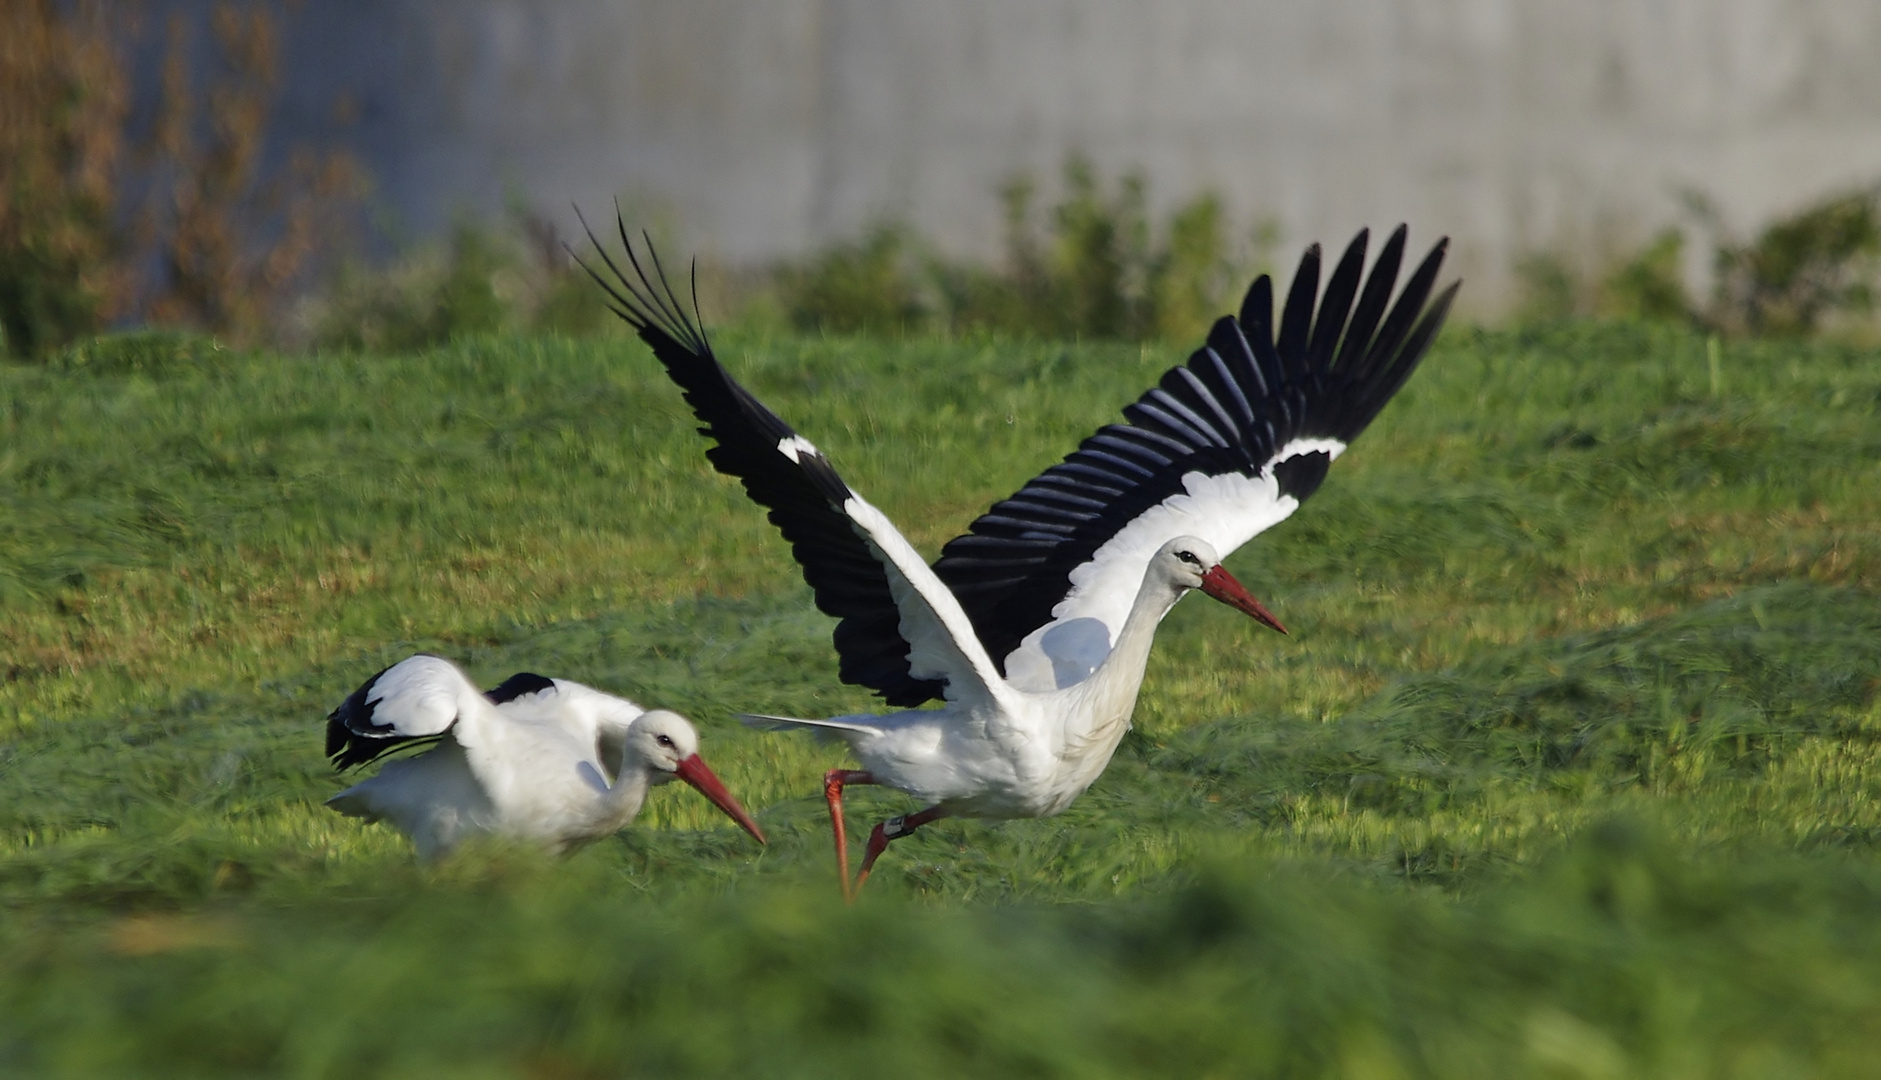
x=198, y=227
x=63, y=103
x=233, y=242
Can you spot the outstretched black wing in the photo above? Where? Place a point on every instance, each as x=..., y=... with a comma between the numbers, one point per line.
x=1223, y=447
x=780, y=470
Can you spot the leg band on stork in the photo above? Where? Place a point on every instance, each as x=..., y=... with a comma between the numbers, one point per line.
x=893, y=829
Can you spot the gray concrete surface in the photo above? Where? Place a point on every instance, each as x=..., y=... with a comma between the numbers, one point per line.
x=760, y=129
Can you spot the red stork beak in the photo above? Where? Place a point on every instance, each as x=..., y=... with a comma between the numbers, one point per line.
x=693, y=771
x=1221, y=585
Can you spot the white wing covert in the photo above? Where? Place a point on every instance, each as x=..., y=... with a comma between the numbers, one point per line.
x=412, y=702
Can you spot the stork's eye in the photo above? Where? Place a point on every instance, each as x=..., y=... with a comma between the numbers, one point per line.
x=664, y=740
x=1188, y=557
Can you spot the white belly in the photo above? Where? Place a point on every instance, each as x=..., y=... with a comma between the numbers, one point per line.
x=1012, y=766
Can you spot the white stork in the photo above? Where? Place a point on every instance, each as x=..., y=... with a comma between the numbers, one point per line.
x=544, y=760
x=1034, y=627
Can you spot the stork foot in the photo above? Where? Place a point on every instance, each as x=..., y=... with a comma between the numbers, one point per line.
x=890, y=830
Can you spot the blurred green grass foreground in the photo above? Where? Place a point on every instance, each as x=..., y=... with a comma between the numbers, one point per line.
x=1567, y=770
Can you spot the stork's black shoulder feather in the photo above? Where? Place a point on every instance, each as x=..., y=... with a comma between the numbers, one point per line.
x=518, y=685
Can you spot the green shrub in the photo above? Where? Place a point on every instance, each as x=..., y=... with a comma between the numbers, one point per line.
x=44, y=301
x=1194, y=279
x=428, y=298
x=487, y=279
x=1802, y=275
x=1805, y=270
x=875, y=283
x=61, y=146
x=1099, y=258
x=1650, y=285
x=1093, y=268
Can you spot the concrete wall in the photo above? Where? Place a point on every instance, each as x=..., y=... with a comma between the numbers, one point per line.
x=764, y=127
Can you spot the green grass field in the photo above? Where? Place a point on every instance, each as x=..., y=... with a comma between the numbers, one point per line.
x=1568, y=768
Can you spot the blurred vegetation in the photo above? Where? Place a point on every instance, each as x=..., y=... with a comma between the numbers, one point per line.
x=1094, y=267
x=485, y=280
x=883, y=282
x=189, y=226
x=1087, y=268
x=62, y=113
x=188, y=216
x=1805, y=270
x=185, y=225
x=1619, y=957
x=1650, y=284
x=1568, y=768
x=1816, y=270
x=234, y=240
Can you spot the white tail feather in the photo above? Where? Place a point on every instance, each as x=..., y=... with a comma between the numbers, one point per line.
x=786, y=723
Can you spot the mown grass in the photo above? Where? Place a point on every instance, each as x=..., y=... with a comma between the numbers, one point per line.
x=1567, y=768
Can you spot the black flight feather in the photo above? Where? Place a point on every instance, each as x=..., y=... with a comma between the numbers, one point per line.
x=1244, y=395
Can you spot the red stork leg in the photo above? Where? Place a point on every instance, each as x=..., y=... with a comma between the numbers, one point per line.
x=833, y=782
x=892, y=829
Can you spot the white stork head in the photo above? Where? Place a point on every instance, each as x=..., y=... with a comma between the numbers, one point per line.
x=1189, y=562
x=665, y=745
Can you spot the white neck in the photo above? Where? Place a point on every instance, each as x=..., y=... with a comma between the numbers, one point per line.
x=624, y=799
x=1110, y=691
